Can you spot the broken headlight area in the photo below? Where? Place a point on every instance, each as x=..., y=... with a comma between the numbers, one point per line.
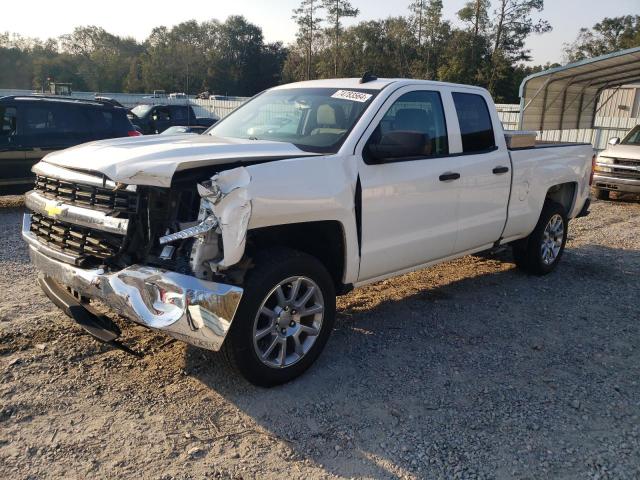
x=217, y=238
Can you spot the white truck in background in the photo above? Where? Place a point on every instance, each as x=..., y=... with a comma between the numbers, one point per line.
x=617, y=168
x=240, y=239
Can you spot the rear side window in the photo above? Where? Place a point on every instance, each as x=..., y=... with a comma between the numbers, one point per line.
x=475, y=122
x=8, y=121
x=108, y=123
x=101, y=120
x=51, y=118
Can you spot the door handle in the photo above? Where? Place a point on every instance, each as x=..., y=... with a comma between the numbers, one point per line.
x=500, y=170
x=445, y=177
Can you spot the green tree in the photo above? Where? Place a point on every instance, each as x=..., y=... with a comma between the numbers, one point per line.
x=475, y=15
x=431, y=33
x=336, y=11
x=512, y=25
x=309, y=24
x=606, y=36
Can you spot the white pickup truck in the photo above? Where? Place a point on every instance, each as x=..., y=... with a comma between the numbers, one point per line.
x=239, y=239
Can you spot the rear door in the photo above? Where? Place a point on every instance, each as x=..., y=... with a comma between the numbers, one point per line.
x=13, y=169
x=485, y=172
x=409, y=205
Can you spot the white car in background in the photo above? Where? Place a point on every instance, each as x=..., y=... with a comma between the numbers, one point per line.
x=617, y=168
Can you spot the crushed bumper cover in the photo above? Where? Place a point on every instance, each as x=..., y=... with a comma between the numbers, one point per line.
x=196, y=311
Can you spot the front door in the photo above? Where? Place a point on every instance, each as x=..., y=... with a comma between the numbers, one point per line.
x=14, y=173
x=409, y=205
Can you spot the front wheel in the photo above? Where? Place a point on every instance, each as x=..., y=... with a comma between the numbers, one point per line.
x=284, y=318
x=541, y=251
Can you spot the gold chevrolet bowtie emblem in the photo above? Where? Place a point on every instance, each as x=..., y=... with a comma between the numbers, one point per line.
x=52, y=209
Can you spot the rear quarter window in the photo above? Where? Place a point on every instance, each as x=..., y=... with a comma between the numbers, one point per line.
x=109, y=122
x=476, y=127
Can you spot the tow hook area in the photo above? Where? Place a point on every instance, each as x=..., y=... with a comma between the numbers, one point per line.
x=94, y=323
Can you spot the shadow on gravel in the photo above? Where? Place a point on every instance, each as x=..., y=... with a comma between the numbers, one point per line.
x=501, y=369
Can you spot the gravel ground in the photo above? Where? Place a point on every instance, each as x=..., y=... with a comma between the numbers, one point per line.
x=470, y=369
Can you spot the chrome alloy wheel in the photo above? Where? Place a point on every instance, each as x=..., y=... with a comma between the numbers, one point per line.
x=552, y=238
x=288, y=322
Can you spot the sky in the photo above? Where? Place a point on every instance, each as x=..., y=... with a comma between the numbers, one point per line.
x=44, y=19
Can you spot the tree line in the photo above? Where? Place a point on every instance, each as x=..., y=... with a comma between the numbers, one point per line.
x=485, y=46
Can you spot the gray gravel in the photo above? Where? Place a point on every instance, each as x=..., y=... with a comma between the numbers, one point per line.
x=470, y=369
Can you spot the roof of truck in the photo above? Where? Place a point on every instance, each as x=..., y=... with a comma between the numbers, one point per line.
x=377, y=84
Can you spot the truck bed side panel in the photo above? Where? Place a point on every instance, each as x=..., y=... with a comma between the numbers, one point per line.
x=535, y=171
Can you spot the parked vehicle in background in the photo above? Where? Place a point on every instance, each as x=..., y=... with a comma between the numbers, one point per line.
x=617, y=168
x=109, y=100
x=157, y=94
x=33, y=126
x=178, y=96
x=241, y=238
x=184, y=130
x=157, y=118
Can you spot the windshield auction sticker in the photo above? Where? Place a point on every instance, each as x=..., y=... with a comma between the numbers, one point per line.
x=351, y=95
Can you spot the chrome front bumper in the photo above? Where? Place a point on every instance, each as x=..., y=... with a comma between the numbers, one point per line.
x=192, y=310
x=616, y=184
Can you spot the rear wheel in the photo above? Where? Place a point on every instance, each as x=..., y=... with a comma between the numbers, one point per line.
x=602, y=194
x=284, y=319
x=541, y=251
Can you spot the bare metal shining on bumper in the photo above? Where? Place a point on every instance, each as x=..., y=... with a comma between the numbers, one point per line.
x=195, y=311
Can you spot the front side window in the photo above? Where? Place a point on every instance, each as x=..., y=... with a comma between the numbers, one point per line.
x=476, y=127
x=633, y=137
x=417, y=118
x=8, y=121
x=313, y=119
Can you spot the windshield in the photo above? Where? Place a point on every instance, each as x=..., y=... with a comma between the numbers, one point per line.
x=141, y=110
x=314, y=119
x=633, y=138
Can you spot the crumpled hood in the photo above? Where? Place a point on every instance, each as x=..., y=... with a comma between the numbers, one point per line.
x=630, y=152
x=153, y=159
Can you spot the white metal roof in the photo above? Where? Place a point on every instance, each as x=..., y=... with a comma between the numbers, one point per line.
x=567, y=97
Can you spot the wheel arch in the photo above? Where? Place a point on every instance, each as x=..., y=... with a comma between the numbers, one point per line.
x=563, y=194
x=324, y=240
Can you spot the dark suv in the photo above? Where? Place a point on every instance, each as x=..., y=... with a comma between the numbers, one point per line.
x=31, y=127
x=157, y=118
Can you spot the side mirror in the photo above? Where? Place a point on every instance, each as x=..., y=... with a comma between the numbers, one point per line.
x=614, y=141
x=398, y=144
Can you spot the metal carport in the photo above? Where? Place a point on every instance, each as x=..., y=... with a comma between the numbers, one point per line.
x=567, y=97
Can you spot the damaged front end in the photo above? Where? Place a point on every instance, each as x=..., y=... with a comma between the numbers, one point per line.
x=221, y=229
x=172, y=264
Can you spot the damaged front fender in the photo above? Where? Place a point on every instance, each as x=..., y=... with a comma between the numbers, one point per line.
x=226, y=207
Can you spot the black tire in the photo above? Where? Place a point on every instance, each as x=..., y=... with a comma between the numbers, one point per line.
x=528, y=252
x=273, y=266
x=602, y=194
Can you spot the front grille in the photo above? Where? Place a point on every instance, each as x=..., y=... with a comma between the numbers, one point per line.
x=75, y=240
x=623, y=173
x=99, y=198
x=628, y=163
